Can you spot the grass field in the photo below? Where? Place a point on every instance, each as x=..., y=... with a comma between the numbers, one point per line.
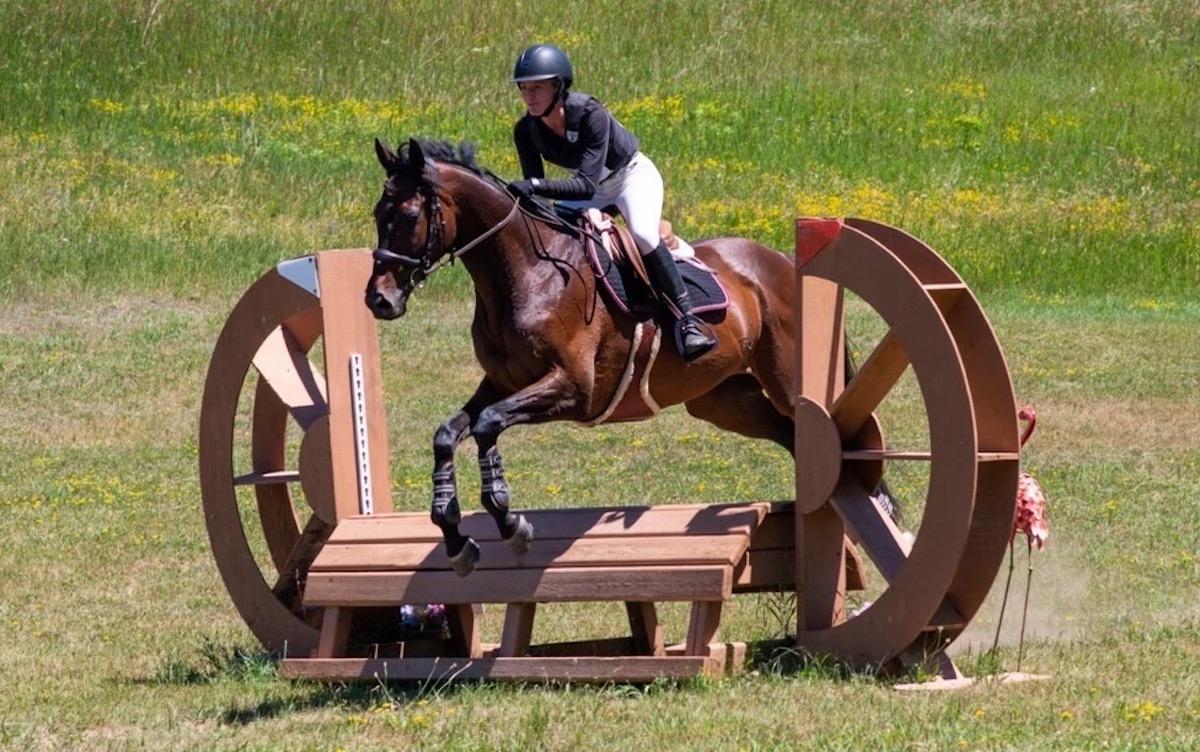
x=157, y=156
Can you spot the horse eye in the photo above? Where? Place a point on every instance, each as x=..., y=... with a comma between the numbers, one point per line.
x=410, y=215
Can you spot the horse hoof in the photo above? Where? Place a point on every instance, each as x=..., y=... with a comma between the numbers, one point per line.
x=464, y=563
x=522, y=537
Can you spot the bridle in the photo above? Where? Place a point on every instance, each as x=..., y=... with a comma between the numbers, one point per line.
x=424, y=264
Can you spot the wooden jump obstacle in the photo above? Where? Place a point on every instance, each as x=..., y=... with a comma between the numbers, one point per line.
x=344, y=563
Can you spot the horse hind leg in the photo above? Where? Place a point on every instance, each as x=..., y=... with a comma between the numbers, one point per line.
x=738, y=404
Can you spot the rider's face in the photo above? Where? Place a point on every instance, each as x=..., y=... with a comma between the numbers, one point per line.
x=538, y=95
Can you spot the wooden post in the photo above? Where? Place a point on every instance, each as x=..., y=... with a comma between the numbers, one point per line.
x=643, y=624
x=355, y=389
x=820, y=375
x=518, y=629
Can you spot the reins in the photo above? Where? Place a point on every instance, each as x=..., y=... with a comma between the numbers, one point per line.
x=454, y=254
x=421, y=265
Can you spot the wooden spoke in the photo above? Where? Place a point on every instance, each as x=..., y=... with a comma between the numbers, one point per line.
x=870, y=527
x=866, y=390
x=285, y=369
x=288, y=587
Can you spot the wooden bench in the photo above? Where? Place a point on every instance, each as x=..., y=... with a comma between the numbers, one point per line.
x=700, y=554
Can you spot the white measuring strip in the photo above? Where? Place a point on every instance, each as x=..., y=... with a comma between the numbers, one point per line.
x=362, y=451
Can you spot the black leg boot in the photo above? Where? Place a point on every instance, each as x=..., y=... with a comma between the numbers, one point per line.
x=692, y=337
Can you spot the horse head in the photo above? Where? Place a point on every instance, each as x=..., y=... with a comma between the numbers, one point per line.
x=412, y=231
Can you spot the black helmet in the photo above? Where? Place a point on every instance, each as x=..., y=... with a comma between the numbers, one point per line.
x=540, y=62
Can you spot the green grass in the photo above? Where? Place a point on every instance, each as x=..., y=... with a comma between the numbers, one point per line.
x=157, y=157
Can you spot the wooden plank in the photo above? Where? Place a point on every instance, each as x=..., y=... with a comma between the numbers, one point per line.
x=583, y=552
x=685, y=583
x=777, y=530
x=871, y=455
x=597, y=647
x=946, y=296
x=698, y=519
x=350, y=329
x=819, y=309
x=820, y=561
x=766, y=569
x=464, y=629
x=771, y=569
x=575, y=669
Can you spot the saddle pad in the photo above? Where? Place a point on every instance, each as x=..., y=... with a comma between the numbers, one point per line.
x=631, y=296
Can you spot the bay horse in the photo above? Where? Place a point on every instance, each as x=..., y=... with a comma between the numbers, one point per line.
x=550, y=345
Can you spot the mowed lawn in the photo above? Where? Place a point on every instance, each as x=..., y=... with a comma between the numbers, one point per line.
x=156, y=158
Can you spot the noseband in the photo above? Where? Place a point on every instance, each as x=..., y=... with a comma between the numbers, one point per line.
x=435, y=226
x=423, y=263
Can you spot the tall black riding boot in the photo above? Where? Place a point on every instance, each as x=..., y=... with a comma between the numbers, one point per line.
x=693, y=338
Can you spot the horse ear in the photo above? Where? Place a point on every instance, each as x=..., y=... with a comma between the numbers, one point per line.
x=416, y=157
x=386, y=156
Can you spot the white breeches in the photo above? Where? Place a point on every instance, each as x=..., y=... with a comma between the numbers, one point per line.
x=637, y=192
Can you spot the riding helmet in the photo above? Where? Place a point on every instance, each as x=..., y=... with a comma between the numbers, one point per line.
x=539, y=62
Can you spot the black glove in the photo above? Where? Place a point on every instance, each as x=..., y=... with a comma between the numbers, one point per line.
x=521, y=188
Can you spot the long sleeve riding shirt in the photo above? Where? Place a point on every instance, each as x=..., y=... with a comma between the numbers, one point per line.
x=594, y=146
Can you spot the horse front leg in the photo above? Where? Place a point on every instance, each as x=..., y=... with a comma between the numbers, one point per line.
x=445, y=511
x=545, y=400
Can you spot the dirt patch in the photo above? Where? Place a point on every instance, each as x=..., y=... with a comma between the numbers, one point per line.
x=1107, y=426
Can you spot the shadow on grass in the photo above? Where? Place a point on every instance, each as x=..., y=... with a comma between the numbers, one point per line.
x=256, y=669
x=216, y=664
x=781, y=658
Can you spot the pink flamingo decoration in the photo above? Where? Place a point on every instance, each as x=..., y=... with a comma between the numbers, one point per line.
x=1030, y=520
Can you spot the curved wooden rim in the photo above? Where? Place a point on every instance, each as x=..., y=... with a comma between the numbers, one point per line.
x=937, y=329
x=262, y=309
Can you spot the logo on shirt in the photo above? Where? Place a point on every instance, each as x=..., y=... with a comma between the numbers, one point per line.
x=572, y=136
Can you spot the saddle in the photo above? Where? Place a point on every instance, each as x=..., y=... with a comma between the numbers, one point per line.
x=618, y=266
x=618, y=242
x=619, y=270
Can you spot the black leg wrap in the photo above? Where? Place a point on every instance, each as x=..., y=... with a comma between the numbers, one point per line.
x=445, y=509
x=445, y=512
x=494, y=492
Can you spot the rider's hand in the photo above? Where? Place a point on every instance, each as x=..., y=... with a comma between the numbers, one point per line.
x=522, y=188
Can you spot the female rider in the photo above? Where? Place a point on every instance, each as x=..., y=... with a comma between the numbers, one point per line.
x=576, y=132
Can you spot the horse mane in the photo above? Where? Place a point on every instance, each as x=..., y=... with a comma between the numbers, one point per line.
x=461, y=155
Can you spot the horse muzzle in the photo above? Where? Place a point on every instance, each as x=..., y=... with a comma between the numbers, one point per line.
x=384, y=298
x=386, y=306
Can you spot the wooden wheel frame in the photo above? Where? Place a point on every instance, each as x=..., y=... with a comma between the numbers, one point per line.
x=272, y=329
x=936, y=327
